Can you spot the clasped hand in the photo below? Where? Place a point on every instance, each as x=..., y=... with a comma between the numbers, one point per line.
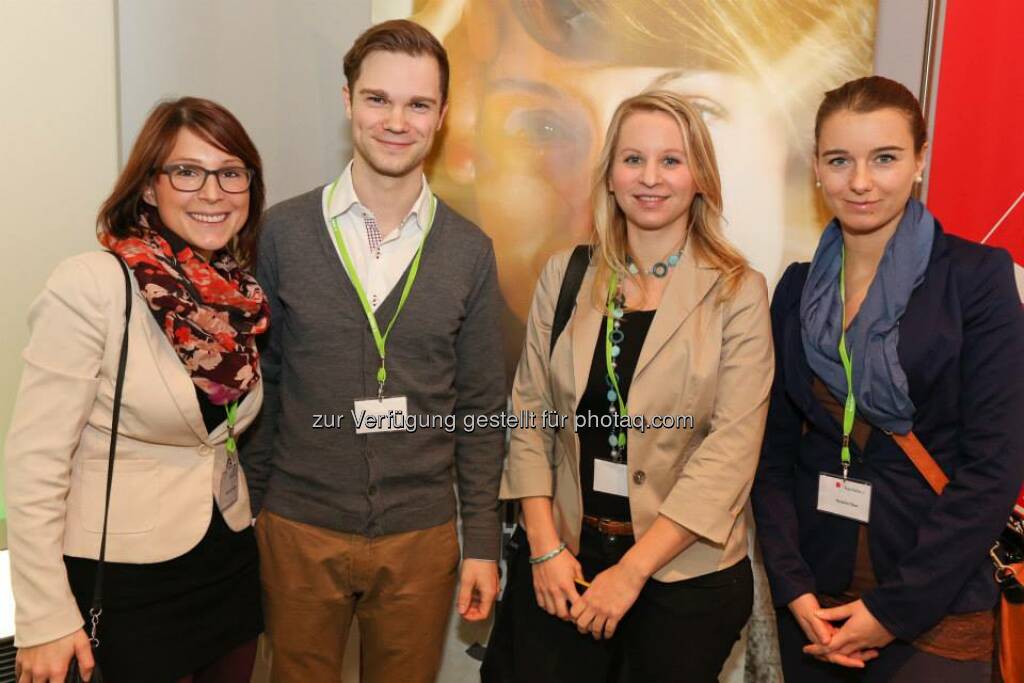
x=612, y=592
x=600, y=609
x=853, y=644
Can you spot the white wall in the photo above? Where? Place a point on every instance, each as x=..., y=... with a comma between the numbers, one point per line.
x=900, y=40
x=58, y=133
x=276, y=64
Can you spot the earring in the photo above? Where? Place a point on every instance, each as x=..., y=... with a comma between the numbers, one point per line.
x=817, y=183
x=919, y=179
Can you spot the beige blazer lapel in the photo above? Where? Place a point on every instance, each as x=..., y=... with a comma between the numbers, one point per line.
x=176, y=379
x=586, y=326
x=689, y=282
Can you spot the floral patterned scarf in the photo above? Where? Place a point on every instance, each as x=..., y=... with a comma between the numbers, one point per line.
x=210, y=312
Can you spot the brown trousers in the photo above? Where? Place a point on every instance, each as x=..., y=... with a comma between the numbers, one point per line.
x=400, y=588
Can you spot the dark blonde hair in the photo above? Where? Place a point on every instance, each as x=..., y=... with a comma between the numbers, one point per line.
x=398, y=35
x=124, y=213
x=704, y=225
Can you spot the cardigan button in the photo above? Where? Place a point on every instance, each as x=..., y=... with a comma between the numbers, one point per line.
x=639, y=477
x=205, y=450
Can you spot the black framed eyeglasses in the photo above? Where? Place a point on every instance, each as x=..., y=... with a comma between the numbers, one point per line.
x=189, y=178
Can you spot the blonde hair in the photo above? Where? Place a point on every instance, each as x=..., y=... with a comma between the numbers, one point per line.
x=704, y=222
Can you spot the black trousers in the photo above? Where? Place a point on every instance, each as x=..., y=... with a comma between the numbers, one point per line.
x=680, y=631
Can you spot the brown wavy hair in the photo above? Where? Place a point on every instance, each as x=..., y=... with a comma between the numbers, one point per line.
x=124, y=212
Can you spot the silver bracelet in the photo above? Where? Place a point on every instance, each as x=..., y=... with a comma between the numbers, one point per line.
x=549, y=555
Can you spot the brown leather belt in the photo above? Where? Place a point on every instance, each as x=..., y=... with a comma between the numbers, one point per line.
x=610, y=527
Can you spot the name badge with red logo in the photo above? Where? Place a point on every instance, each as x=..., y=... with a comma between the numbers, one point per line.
x=850, y=498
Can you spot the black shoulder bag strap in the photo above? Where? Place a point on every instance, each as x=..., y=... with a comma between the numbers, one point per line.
x=97, y=595
x=571, y=282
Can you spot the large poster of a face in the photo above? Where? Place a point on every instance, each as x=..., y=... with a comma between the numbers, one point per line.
x=534, y=83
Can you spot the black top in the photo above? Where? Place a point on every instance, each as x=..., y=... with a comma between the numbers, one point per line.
x=213, y=415
x=594, y=405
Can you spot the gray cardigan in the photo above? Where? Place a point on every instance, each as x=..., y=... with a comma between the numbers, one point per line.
x=444, y=353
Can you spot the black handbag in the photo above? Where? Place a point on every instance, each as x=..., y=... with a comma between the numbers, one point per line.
x=74, y=675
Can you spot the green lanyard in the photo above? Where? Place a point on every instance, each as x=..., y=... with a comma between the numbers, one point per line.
x=850, y=410
x=232, y=410
x=612, y=314
x=379, y=339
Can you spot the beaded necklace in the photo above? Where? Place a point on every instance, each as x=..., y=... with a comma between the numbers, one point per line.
x=613, y=339
x=660, y=268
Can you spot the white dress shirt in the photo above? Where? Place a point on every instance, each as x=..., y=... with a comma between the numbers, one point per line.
x=379, y=261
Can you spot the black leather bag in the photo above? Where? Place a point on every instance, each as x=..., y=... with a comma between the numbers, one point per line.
x=96, y=609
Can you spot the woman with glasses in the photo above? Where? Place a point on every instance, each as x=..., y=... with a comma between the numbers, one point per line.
x=180, y=582
x=633, y=546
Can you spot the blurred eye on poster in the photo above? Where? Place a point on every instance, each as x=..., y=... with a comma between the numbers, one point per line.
x=534, y=84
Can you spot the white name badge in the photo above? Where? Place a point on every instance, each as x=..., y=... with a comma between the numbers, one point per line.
x=377, y=416
x=850, y=498
x=228, y=484
x=611, y=477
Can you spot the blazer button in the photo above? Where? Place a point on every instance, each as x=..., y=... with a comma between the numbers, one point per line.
x=205, y=450
x=639, y=477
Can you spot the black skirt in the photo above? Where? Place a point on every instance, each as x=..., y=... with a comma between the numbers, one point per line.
x=162, y=621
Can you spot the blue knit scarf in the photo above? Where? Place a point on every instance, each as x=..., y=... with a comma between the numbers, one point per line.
x=879, y=383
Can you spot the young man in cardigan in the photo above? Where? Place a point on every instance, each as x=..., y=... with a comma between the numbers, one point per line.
x=385, y=316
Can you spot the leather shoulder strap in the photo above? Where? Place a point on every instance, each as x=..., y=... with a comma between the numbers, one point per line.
x=571, y=281
x=923, y=461
x=97, y=596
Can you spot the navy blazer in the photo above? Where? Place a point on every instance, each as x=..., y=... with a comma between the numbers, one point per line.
x=961, y=345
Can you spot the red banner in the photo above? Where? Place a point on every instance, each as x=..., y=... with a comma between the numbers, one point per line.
x=976, y=184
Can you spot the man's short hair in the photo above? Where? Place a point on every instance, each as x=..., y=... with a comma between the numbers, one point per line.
x=398, y=35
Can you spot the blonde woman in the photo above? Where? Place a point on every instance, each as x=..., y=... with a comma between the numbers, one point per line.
x=633, y=550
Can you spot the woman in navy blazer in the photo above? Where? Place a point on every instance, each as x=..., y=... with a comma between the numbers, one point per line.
x=907, y=595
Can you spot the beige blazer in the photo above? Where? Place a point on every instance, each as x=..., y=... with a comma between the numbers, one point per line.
x=701, y=357
x=168, y=468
